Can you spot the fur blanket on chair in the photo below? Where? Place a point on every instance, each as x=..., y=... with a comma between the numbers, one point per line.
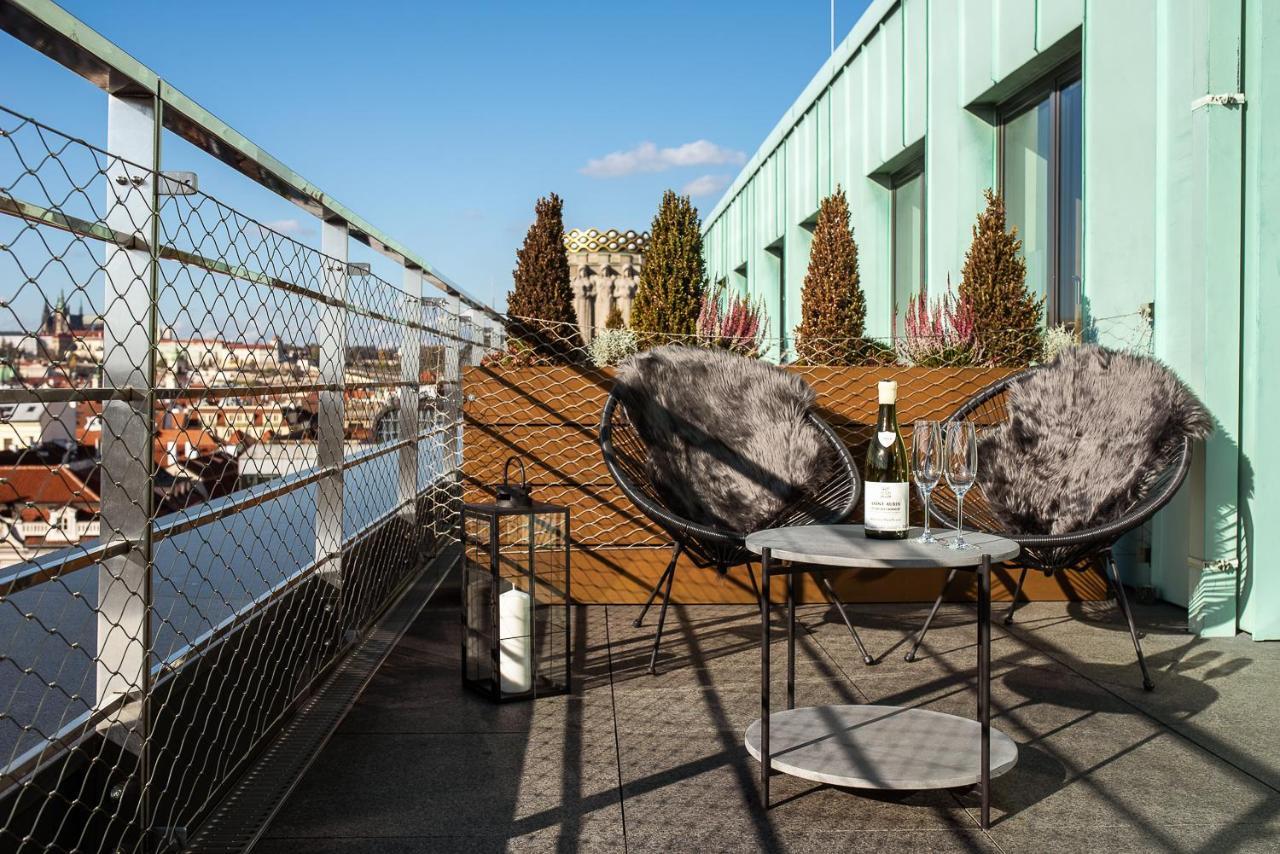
x=728, y=439
x=1087, y=437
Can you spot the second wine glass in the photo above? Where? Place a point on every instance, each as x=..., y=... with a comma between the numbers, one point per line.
x=960, y=467
x=926, y=465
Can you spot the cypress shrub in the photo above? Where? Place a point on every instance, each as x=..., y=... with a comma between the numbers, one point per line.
x=994, y=282
x=673, y=277
x=833, y=309
x=542, y=300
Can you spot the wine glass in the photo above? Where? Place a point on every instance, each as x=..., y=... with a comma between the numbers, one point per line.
x=926, y=464
x=960, y=465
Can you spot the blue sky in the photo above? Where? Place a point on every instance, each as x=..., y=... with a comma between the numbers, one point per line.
x=442, y=122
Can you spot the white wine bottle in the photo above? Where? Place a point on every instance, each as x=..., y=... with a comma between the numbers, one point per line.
x=885, y=494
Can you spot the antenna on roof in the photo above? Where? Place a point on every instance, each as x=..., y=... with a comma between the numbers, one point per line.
x=833, y=26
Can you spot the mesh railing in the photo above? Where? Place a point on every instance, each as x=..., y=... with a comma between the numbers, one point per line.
x=223, y=453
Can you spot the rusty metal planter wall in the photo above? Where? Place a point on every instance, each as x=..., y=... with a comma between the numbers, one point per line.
x=550, y=416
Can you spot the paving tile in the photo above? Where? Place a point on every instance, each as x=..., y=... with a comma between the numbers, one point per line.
x=715, y=841
x=712, y=785
x=417, y=785
x=1132, y=839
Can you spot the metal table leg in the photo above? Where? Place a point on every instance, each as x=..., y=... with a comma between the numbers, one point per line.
x=984, y=683
x=765, y=759
x=791, y=640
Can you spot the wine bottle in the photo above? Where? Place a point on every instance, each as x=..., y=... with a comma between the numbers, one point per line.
x=885, y=493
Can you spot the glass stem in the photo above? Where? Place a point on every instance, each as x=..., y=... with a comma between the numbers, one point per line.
x=926, y=513
x=960, y=517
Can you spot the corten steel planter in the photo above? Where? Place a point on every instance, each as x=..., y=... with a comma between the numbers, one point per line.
x=550, y=417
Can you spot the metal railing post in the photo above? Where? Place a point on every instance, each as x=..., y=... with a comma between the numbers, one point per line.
x=127, y=441
x=410, y=377
x=452, y=385
x=332, y=415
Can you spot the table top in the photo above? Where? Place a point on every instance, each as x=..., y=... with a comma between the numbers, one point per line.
x=880, y=747
x=848, y=546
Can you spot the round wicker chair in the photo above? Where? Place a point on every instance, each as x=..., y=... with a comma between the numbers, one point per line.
x=1058, y=552
x=708, y=546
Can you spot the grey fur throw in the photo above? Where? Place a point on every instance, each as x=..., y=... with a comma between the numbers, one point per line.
x=1087, y=436
x=728, y=441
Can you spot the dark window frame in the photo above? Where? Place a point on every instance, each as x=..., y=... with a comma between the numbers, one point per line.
x=1050, y=86
x=903, y=176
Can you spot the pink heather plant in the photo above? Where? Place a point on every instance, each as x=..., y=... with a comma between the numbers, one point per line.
x=731, y=322
x=939, y=335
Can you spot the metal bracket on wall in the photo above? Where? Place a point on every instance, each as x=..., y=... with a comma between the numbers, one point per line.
x=1229, y=99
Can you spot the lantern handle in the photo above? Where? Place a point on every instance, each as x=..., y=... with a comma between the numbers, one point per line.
x=506, y=472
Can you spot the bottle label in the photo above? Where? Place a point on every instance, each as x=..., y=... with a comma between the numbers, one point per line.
x=886, y=438
x=885, y=506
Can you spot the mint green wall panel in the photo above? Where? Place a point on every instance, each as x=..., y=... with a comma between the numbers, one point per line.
x=1219, y=135
x=802, y=168
x=1178, y=337
x=1014, y=35
x=1119, y=174
x=822, y=156
x=1260, y=454
x=915, y=66
x=1056, y=18
x=840, y=130
x=973, y=32
x=870, y=62
x=960, y=150
x=891, y=87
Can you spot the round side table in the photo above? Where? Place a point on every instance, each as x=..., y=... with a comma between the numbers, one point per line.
x=878, y=747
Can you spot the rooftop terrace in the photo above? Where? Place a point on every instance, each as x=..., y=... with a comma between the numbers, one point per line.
x=633, y=762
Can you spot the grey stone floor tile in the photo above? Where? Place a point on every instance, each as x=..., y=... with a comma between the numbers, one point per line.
x=713, y=785
x=594, y=842
x=951, y=841
x=414, y=785
x=713, y=708
x=1131, y=839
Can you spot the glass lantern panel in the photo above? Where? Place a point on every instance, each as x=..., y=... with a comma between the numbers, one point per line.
x=478, y=604
x=551, y=639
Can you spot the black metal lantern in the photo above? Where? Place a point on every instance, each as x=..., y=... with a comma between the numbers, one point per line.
x=515, y=600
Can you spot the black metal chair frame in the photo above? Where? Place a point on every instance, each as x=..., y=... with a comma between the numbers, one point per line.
x=708, y=546
x=1051, y=553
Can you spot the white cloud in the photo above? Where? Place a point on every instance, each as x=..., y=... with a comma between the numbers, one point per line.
x=292, y=227
x=705, y=185
x=647, y=157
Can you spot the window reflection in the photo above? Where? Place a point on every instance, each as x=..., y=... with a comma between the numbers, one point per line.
x=1070, y=206
x=1027, y=150
x=1042, y=184
x=908, y=246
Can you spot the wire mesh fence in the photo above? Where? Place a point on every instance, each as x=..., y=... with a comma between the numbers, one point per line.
x=541, y=393
x=222, y=454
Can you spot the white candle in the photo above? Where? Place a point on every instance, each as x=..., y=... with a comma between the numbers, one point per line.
x=515, y=627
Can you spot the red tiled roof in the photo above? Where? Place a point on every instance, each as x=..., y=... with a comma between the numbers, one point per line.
x=54, y=485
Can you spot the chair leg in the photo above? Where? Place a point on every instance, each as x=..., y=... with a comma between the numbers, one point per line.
x=671, y=567
x=937, y=603
x=831, y=593
x=755, y=588
x=1113, y=575
x=662, y=616
x=1017, y=591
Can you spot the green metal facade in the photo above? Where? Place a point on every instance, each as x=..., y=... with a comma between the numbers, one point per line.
x=1181, y=212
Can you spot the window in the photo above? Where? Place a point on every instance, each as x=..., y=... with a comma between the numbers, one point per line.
x=908, y=242
x=1041, y=178
x=777, y=251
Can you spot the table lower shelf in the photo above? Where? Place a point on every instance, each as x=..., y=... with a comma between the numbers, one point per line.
x=880, y=747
